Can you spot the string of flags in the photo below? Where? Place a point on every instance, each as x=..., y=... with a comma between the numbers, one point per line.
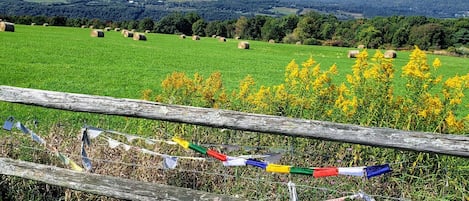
x=170, y=162
x=9, y=124
x=317, y=172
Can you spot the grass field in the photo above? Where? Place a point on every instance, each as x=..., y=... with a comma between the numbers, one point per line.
x=69, y=60
x=285, y=10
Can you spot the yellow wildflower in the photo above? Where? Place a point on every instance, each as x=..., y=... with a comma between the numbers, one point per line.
x=453, y=123
x=146, y=94
x=308, y=63
x=423, y=113
x=245, y=87
x=333, y=69
x=291, y=71
x=316, y=70
x=436, y=63
x=454, y=82
x=304, y=75
x=281, y=94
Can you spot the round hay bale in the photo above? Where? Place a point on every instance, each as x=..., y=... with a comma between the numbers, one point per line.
x=195, y=37
x=117, y=29
x=182, y=36
x=91, y=27
x=128, y=34
x=271, y=41
x=147, y=31
x=298, y=43
x=237, y=37
x=7, y=26
x=214, y=36
x=361, y=47
x=222, y=39
x=353, y=53
x=124, y=31
x=97, y=33
x=390, y=54
x=139, y=36
x=107, y=29
x=33, y=24
x=243, y=45
x=45, y=24
x=133, y=30
x=83, y=26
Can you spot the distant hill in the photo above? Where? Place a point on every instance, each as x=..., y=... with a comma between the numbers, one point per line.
x=428, y=8
x=121, y=10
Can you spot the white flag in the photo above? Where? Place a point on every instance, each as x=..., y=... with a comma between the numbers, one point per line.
x=232, y=161
x=352, y=171
x=113, y=143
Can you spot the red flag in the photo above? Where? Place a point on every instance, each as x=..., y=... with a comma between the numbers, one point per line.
x=216, y=155
x=325, y=172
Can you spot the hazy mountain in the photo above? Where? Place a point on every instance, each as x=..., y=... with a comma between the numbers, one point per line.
x=231, y=9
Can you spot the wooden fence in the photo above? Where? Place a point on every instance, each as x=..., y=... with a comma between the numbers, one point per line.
x=456, y=145
x=102, y=184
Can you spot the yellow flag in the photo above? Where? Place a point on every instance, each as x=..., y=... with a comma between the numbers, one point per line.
x=278, y=168
x=75, y=167
x=181, y=142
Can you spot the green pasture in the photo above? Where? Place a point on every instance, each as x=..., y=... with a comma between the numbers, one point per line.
x=68, y=59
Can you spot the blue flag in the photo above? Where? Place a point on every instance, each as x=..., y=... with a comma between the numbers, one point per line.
x=256, y=163
x=84, y=158
x=8, y=123
x=373, y=171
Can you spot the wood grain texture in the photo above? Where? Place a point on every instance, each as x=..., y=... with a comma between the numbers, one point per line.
x=456, y=145
x=104, y=185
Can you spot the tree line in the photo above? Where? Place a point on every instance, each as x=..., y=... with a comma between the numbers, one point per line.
x=312, y=28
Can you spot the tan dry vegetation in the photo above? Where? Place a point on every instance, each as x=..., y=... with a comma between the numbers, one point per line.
x=353, y=53
x=7, y=26
x=243, y=45
x=140, y=36
x=97, y=33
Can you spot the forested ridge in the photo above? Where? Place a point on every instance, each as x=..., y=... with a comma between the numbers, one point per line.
x=119, y=10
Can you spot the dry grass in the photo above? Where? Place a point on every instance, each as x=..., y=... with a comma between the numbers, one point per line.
x=243, y=45
x=353, y=53
x=97, y=33
x=7, y=26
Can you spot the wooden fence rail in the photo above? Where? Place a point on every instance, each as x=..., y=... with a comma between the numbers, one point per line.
x=456, y=145
x=104, y=185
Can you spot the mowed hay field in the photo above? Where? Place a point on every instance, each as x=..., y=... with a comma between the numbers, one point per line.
x=69, y=60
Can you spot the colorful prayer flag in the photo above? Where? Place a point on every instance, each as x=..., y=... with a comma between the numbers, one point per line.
x=325, y=172
x=8, y=125
x=216, y=155
x=278, y=168
x=232, y=161
x=198, y=148
x=170, y=162
x=373, y=171
x=181, y=142
x=256, y=163
x=299, y=170
x=352, y=171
